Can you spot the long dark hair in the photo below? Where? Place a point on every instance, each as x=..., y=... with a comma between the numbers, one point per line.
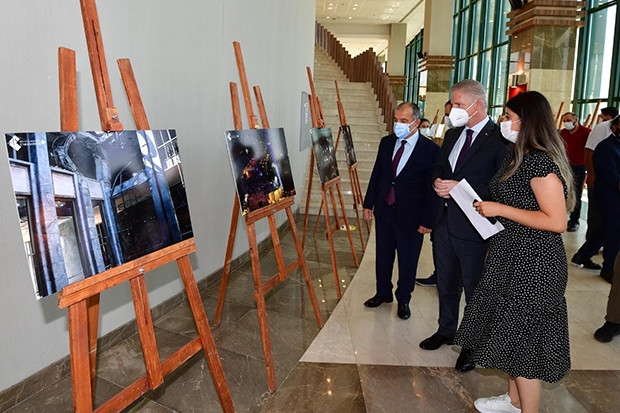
x=538, y=132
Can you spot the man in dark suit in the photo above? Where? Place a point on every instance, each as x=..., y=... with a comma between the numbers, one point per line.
x=403, y=200
x=473, y=150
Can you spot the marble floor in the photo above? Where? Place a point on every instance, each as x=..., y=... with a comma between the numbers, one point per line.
x=362, y=360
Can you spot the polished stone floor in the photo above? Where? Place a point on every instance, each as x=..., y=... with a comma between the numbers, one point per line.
x=362, y=360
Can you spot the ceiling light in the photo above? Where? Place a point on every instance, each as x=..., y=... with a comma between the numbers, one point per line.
x=329, y=8
x=350, y=17
x=354, y=8
x=389, y=10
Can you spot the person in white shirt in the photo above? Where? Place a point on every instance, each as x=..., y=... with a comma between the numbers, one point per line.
x=595, y=231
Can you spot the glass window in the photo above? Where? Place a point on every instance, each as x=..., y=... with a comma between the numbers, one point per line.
x=481, y=52
x=597, y=74
x=599, y=29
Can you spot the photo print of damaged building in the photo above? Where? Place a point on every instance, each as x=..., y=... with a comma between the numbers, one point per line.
x=90, y=201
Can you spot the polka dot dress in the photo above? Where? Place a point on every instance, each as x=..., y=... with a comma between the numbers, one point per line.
x=516, y=320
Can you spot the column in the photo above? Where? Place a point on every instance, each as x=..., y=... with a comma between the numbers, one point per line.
x=396, y=58
x=542, y=49
x=436, y=63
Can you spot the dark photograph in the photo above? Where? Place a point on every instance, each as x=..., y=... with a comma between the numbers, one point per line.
x=90, y=201
x=345, y=131
x=323, y=147
x=261, y=167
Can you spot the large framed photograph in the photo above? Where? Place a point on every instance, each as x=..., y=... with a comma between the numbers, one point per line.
x=261, y=167
x=323, y=147
x=90, y=201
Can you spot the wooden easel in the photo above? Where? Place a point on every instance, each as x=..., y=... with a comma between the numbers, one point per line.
x=82, y=298
x=316, y=113
x=261, y=288
x=356, y=188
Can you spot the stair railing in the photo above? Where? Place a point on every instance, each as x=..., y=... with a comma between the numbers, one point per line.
x=365, y=67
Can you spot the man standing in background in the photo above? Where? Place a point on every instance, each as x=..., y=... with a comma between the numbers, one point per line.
x=575, y=136
x=595, y=232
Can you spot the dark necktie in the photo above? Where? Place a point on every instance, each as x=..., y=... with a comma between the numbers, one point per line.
x=469, y=133
x=390, y=198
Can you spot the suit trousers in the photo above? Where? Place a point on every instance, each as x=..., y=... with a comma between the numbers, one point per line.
x=393, y=237
x=579, y=177
x=613, y=303
x=458, y=265
x=595, y=234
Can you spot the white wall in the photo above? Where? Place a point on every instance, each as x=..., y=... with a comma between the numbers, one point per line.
x=183, y=60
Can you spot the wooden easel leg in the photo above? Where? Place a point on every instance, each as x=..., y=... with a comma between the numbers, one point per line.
x=330, y=239
x=144, y=320
x=229, y=251
x=259, y=296
x=304, y=267
x=277, y=247
x=346, y=224
x=318, y=218
x=356, y=203
x=202, y=324
x=80, y=363
x=310, y=175
x=92, y=304
x=334, y=209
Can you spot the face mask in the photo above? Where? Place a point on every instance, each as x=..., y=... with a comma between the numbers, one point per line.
x=401, y=130
x=569, y=125
x=507, y=132
x=425, y=131
x=459, y=116
x=448, y=122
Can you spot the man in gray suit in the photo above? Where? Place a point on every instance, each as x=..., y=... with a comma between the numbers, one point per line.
x=473, y=150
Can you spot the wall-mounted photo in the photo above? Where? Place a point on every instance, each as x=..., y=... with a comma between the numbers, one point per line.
x=345, y=131
x=261, y=167
x=323, y=147
x=90, y=201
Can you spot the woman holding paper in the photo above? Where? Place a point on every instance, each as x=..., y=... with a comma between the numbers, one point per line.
x=516, y=320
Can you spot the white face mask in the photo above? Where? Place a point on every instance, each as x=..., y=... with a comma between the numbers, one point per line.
x=507, y=132
x=459, y=116
x=401, y=130
x=569, y=125
x=426, y=132
x=448, y=122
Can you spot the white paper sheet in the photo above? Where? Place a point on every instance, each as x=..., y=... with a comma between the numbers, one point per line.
x=464, y=195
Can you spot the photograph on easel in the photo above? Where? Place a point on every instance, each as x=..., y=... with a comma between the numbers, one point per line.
x=348, y=144
x=90, y=201
x=261, y=167
x=323, y=148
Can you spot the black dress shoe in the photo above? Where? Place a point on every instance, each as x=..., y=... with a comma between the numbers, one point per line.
x=403, y=311
x=606, y=333
x=608, y=275
x=580, y=261
x=377, y=300
x=435, y=341
x=427, y=282
x=572, y=226
x=464, y=362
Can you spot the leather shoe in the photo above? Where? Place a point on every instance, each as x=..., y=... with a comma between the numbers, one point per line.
x=377, y=300
x=403, y=311
x=435, y=341
x=464, y=362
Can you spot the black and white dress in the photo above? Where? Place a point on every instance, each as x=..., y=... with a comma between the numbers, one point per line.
x=516, y=320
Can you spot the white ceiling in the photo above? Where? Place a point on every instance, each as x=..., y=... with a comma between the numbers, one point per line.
x=360, y=24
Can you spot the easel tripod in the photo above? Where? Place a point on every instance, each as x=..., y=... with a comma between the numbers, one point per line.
x=82, y=298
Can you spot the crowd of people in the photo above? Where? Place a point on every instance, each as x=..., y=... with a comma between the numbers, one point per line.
x=529, y=177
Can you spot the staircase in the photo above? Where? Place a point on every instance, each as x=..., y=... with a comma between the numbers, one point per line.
x=365, y=120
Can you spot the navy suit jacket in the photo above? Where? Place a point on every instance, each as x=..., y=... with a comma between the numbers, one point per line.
x=415, y=197
x=480, y=164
